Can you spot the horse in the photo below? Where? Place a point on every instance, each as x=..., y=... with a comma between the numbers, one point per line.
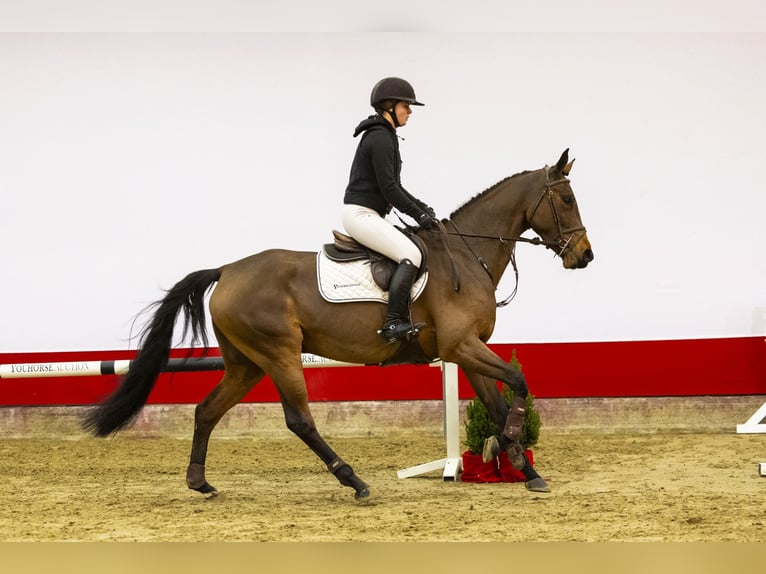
x=266, y=310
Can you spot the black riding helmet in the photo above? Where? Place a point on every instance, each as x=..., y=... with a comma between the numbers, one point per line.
x=395, y=89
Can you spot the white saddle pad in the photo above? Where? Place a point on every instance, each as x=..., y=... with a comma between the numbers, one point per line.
x=352, y=281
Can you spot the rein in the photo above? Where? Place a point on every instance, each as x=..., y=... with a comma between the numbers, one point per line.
x=453, y=266
x=505, y=239
x=511, y=256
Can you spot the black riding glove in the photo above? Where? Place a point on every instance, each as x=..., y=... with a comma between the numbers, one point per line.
x=428, y=221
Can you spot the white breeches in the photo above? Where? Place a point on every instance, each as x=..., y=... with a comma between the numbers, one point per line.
x=370, y=229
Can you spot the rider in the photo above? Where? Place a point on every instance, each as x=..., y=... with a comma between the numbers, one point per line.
x=375, y=187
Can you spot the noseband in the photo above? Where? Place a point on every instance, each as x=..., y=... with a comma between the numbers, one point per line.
x=564, y=235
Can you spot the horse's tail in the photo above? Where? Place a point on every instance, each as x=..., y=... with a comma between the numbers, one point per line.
x=122, y=406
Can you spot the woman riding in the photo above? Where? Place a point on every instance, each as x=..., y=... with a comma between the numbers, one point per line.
x=375, y=187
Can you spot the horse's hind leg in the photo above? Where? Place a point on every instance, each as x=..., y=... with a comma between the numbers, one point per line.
x=292, y=391
x=234, y=385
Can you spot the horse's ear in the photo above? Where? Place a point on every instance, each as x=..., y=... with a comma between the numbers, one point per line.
x=568, y=168
x=561, y=165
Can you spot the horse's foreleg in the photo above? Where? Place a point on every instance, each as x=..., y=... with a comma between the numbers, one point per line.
x=474, y=356
x=233, y=387
x=509, y=422
x=292, y=390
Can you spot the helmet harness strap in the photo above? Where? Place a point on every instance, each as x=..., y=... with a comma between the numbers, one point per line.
x=392, y=113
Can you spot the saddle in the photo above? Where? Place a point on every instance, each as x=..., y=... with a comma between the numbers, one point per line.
x=345, y=248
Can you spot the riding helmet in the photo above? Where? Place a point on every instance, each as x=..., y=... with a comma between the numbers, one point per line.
x=393, y=89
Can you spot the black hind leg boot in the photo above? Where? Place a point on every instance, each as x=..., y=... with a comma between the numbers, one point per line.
x=398, y=325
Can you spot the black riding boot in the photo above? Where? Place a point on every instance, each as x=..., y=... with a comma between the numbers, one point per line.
x=398, y=326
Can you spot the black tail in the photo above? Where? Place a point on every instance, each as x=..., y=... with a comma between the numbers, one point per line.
x=122, y=406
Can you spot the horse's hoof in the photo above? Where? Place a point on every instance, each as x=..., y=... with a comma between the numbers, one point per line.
x=365, y=496
x=206, y=488
x=491, y=449
x=362, y=494
x=537, y=485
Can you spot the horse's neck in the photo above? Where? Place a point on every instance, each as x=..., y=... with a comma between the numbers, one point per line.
x=498, y=213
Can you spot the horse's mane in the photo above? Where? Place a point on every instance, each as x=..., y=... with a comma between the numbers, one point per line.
x=487, y=191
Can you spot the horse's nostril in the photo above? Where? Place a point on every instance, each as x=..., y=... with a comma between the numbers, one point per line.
x=587, y=256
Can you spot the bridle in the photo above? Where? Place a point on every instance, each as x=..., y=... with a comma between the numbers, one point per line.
x=564, y=235
x=559, y=246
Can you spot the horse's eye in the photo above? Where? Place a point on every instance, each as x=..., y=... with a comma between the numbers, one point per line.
x=567, y=199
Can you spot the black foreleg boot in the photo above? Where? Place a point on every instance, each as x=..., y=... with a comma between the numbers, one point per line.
x=510, y=440
x=347, y=477
x=398, y=325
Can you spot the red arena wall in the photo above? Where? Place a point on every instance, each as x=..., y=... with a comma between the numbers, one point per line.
x=691, y=367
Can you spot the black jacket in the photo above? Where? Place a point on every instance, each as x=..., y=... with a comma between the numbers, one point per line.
x=375, y=179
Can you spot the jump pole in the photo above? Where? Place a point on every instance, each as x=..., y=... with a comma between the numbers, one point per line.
x=452, y=464
x=121, y=367
x=95, y=368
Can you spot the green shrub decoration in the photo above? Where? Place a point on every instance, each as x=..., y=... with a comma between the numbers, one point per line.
x=480, y=426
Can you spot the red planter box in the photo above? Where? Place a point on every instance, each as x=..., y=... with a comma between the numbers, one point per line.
x=497, y=470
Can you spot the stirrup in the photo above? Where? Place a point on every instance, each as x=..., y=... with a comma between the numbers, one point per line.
x=400, y=331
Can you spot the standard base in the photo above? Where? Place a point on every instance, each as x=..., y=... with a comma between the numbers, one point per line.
x=451, y=466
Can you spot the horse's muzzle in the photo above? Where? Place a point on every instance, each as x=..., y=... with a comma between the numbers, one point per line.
x=586, y=258
x=579, y=255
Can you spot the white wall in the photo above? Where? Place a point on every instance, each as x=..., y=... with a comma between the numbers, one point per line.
x=129, y=160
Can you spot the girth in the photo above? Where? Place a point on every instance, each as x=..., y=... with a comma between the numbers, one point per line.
x=345, y=248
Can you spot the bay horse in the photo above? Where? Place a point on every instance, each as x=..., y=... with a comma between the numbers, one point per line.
x=266, y=310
